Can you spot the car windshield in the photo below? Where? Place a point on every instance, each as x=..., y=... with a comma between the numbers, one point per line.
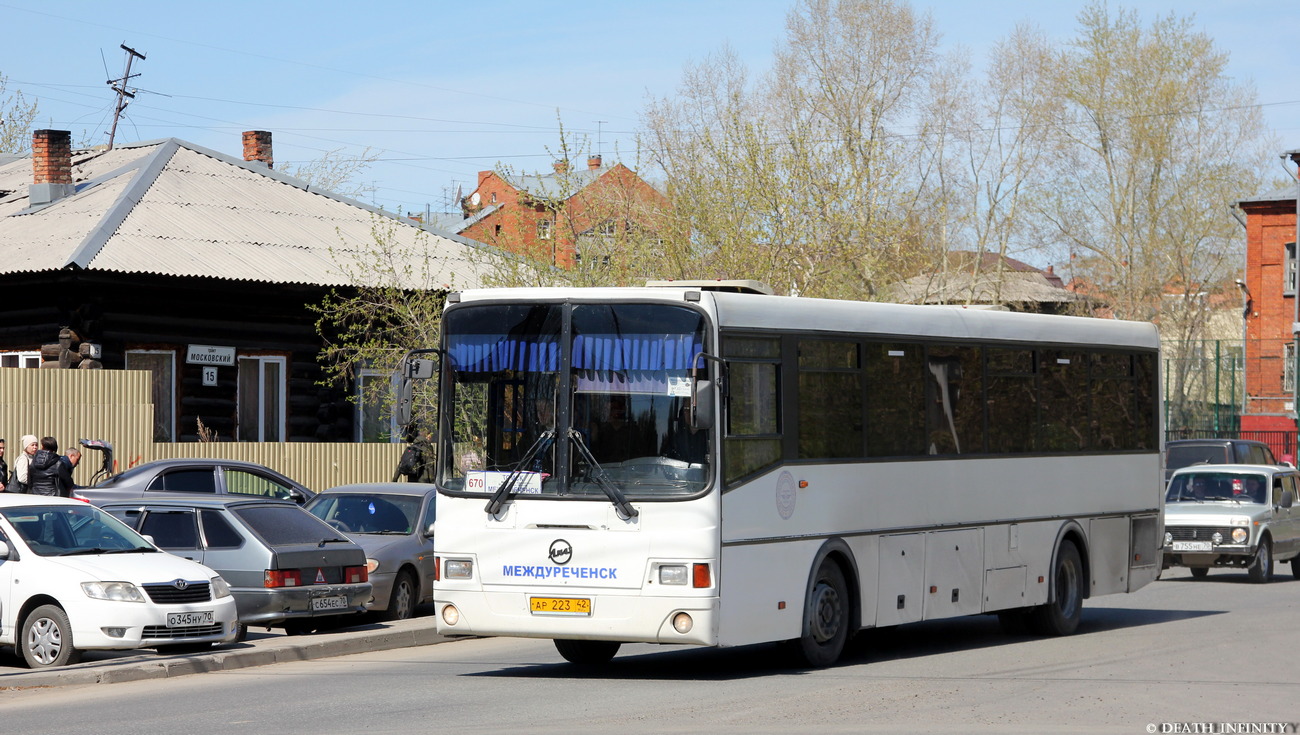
x=64, y=530
x=285, y=525
x=368, y=512
x=1179, y=457
x=1200, y=487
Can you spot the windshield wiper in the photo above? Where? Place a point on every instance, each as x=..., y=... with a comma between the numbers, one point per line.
x=615, y=495
x=508, y=485
x=80, y=552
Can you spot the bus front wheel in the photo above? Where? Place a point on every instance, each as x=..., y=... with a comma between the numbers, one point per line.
x=1060, y=615
x=826, y=617
x=587, y=652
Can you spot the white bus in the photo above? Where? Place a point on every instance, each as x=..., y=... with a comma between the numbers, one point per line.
x=692, y=463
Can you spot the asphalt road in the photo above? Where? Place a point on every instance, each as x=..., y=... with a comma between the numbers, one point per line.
x=1177, y=655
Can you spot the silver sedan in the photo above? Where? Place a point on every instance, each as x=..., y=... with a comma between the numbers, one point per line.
x=393, y=522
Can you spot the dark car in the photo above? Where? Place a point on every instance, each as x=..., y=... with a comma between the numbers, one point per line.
x=197, y=477
x=393, y=522
x=284, y=565
x=1181, y=453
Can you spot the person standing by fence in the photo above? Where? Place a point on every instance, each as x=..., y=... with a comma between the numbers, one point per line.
x=27, y=447
x=4, y=468
x=43, y=472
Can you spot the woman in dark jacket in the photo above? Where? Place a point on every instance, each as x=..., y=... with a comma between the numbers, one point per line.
x=43, y=472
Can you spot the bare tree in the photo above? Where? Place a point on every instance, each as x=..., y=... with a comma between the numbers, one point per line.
x=336, y=171
x=16, y=117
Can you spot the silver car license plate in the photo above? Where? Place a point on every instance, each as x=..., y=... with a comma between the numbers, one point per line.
x=1192, y=546
x=190, y=619
x=338, y=602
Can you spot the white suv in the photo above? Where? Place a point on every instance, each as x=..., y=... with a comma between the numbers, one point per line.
x=1232, y=515
x=74, y=578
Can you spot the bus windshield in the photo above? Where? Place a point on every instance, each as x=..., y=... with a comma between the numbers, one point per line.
x=573, y=399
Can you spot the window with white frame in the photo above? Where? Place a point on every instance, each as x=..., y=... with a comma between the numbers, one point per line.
x=162, y=388
x=544, y=229
x=1289, y=270
x=375, y=422
x=261, y=398
x=1288, y=368
x=20, y=359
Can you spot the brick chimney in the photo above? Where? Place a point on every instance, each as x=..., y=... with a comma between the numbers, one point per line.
x=257, y=147
x=561, y=166
x=51, y=166
x=593, y=162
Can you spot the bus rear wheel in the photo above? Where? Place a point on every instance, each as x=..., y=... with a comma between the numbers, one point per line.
x=826, y=618
x=587, y=652
x=1060, y=615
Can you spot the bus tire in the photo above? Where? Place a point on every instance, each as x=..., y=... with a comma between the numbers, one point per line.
x=587, y=653
x=826, y=618
x=1060, y=615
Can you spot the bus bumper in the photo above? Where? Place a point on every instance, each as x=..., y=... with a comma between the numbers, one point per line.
x=623, y=618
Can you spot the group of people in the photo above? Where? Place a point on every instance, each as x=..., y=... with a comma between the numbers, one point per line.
x=39, y=469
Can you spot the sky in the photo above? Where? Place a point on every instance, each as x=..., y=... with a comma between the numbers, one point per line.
x=438, y=91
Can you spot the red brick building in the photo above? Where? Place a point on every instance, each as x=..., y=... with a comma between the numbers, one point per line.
x=1269, y=308
x=555, y=217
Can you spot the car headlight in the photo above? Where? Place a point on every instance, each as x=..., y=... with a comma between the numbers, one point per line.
x=1169, y=538
x=1239, y=535
x=1217, y=538
x=114, y=591
x=220, y=588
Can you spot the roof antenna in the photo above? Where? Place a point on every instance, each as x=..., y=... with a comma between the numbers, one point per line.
x=122, y=91
x=598, y=144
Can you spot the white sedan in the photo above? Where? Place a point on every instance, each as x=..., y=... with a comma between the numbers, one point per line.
x=73, y=578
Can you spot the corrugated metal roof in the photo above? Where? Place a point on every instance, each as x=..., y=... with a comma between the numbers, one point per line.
x=172, y=208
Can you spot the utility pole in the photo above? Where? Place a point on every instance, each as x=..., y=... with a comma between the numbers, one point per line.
x=119, y=86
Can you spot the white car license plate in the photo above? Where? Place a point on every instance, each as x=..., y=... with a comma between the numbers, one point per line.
x=190, y=619
x=1192, y=546
x=338, y=602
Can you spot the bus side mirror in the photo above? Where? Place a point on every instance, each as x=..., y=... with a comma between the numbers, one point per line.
x=703, y=404
x=410, y=371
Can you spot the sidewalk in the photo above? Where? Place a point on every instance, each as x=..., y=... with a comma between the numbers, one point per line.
x=260, y=649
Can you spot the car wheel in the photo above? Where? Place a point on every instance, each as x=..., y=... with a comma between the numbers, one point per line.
x=1261, y=567
x=241, y=633
x=587, y=652
x=401, y=603
x=46, y=638
x=1060, y=616
x=1200, y=572
x=826, y=616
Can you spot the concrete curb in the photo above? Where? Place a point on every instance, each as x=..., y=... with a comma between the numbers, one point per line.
x=261, y=652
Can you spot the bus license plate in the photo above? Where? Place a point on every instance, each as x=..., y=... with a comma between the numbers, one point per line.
x=560, y=605
x=190, y=619
x=329, y=603
x=1192, y=546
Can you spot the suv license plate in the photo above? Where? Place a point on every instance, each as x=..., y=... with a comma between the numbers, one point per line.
x=339, y=602
x=1192, y=546
x=190, y=619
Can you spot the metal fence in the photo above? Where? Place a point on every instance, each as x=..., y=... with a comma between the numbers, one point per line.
x=115, y=405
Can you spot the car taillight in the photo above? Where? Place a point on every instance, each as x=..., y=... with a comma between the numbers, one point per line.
x=283, y=578
x=355, y=575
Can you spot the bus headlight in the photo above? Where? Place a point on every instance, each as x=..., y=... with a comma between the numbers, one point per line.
x=458, y=568
x=1239, y=535
x=672, y=574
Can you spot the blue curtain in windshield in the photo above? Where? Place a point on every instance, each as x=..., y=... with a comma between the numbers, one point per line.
x=491, y=353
